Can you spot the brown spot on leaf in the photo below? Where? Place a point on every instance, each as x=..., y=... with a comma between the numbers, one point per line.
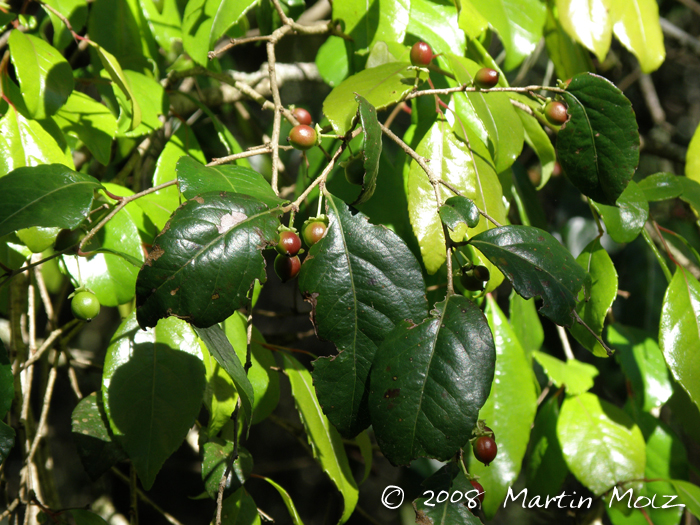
x=155, y=254
x=392, y=393
x=214, y=297
x=199, y=199
x=174, y=291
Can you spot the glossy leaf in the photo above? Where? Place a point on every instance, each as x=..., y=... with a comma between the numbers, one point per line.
x=216, y=457
x=595, y=303
x=600, y=443
x=636, y=26
x=537, y=265
x=589, y=22
x=599, y=158
x=661, y=186
x=573, y=374
x=372, y=151
x=116, y=74
x=44, y=75
x=512, y=426
x=519, y=24
x=195, y=178
x=381, y=86
x=471, y=21
x=459, y=210
x=75, y=11
x=436, y=23
x=201, y=267
x=385, y=20
x=332, y=61
x=692, y=162
x=545, y=466
x=526, y=323
x=152, y=386
x=46, y=195
x=93, y=438
x=679, y=331
x=239, y=509
x=325, y=441
x=152, y=100
x=361, y=280
x=296, y=519
x=164, y=20
x=568, y=56
x=643, y=364
x=429, y=381
x=625, y=221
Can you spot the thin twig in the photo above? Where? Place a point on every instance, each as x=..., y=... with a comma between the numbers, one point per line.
x=146, y=499
x=45, y=408
x=318, y=180
x=565, y=342
x=580, y=321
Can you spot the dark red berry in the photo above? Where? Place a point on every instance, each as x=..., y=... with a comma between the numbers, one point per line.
x=486, y=78
x=302, y=137
x=485, y=449
x=490, y=432
x=478, y=487
x=289, y=243
x=555, y=112
x=421, y=54
x=287, y=268
x=314, y=232
x=302, y=116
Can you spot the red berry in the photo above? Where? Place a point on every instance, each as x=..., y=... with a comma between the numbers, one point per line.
x=421, y=54
x=314, y=232
x=302, y=116
x=486, y=78
x=478, y=487
x=289, y=243
x=492, y=433
x=287, y=268
x=555, y=112
x=485, y=449
x=302, y=137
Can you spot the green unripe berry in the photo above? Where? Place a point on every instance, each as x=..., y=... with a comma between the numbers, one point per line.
x=85, y=306
x=486, y=78
x=555, y=113
x=314, y=232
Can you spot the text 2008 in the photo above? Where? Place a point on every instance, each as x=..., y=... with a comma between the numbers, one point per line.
x=470, y=497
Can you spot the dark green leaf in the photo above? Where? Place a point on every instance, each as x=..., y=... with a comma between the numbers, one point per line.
x=86, y=517
x=625, y=220
x=679, y=332
x=537, y=265
x=152, y=386
x=296, y=519
x=125, y=44
x=206, y=259
x=661, y=186
x=7, y=440
x=545, y=464
x=537, y=138
x=195, y=178
x=361, y=280
x=46, y=195
x=452, y=510
x=573, y=374
x=44, y=75
x=217, y=456
x=429, y=381
x=459, y=210
x=239, y=509
x=598, y=148
x=93, y=438
x=373, y=148
x=526, y=198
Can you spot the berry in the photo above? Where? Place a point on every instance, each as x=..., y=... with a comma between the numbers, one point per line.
x=471, y=283
x=302, y=116
x=355, y=170
x=302, y=137
x=486, y=78
x=85, y=306
x=485, y=449
x=555, y=112
x=490, y=432
x=421, y=54
x=289, y=243
x=314, y=232
x=287, y=268
x=478, y=487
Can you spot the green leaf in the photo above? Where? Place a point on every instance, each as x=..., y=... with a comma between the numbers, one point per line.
x=7, y=385
x=372, y=151
x=643, y=364
x=44, y=75
x=220, y=395
x=152, y=386
x=195, y=178
x=537, y=265
x=679, y=331
x=332, y=61
x=453, y=509
x=519, y=24
x=94, y=440
x=89, y=121
x=201, y=267
x=325, y=441
x=220, y=347
x=25, y=143
x=569, y=57
x=661, y=186
x=384, y=20
x=217, y=456
x=164, y=20
x=599, y=158
x=361, y=280
x=240, y=509
x=86, y=517
x=601, y=445
x=152, y=101
x=125, y=45
x=437, y=24
x=625, y=220
x=595, y=303
x=205, y=21
x=527, y=199
x=537, y=138
x=692, y=159
x=689, y=494
x=7, y=440
x=459, y=210
x=589, y=22
x=363, y=441
x=76, y=11
x=381, y=86
x=526, y=323
x=429, y=381
x=115, y=72
x=512, y=426
x=545, y=466
x=46, y=195
x=471, y=21
x=296, y=519
x=573, y=374
x=636, y=26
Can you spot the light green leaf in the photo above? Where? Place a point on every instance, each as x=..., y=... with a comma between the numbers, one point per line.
x=152, y=101
x=384, y=20
x=332, y=61
x=220, y=396
x=545, y=466
x=679, y=331
x=692, y=159
x=115, y=72
x=526, y=323
x=689, y=494
x=636, y=26
x=324, y=439
x=575, y=375
x=76, y=11
x=296, y=519
x=240, y=508
x=470, y=20
x=569, y=57
x=625, y=220
x=436, y=23
x=588, y=22
x=164, y=22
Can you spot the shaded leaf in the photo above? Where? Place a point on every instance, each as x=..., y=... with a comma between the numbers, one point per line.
x=164, y=20
x=454, y=509
x=372, y=151
x=526, y=323
x=545, y=466
x=152, y=101
x=240, y=509
x=7, y=440
x=7, y=384
x=332, y=61
x=689, y=494
x=459, y=210
x=127, y=45
x=573, y=374
x=661, y=186
x=76, y=11
x=116, y=73
x=215, y=461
